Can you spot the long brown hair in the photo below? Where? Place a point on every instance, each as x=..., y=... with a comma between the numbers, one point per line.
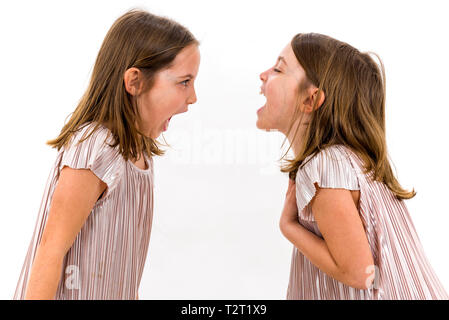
x=353, y=112
x=136, y=39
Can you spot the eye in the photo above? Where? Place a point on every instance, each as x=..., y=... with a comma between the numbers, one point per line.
x=185, y=82
x=276, y=70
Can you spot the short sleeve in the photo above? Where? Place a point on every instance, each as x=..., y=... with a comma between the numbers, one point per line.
x=94, y=153
x=330, y=168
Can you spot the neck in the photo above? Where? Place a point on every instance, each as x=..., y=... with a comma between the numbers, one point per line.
x=296, y=143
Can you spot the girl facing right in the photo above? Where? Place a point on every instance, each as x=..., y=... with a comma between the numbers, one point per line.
x=344, y=211
x=92, y=233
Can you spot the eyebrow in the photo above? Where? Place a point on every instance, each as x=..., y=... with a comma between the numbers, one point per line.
x=280, y=58
x=187, y=76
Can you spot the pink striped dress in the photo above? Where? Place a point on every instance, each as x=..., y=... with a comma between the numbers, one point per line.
x=107, y=258
x=402, y=270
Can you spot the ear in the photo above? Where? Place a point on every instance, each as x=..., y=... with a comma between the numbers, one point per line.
x=133, y=81
x=312, y=96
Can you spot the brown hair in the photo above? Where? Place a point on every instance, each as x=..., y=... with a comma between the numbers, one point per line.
x=136, y=39
x=353, y=112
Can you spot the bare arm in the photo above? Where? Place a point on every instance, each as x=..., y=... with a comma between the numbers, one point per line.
x=344, y=253
x=75, y=195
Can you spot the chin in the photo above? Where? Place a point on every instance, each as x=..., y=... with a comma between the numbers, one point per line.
x=262, y=126
x=152, y=135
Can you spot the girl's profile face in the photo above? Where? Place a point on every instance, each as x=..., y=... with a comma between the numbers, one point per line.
x=172, y=92
x=280, y=86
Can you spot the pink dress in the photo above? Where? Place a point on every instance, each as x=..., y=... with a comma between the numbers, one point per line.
x=107, y=258
x=402, y=269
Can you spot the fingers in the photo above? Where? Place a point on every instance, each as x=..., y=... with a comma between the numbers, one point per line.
x=291, y=182
x=291, y=186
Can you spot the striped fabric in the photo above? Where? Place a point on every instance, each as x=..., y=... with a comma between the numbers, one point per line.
x=107, y=258
x=401, y=266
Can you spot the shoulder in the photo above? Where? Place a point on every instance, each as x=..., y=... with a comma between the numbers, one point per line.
x=331, y=167
x=91, y=133
x=331, y=155
x=331, y=163
x=90, y=145
x=91, y=148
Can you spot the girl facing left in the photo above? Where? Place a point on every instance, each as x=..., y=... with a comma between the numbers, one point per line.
x=93, y=229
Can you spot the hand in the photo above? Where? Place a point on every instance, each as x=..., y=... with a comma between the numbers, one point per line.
x=290, y=211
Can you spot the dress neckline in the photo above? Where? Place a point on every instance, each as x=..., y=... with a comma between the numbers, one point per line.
x=147, y=161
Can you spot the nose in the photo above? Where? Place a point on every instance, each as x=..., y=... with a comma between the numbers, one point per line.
x=263, y=76
x=192, y=99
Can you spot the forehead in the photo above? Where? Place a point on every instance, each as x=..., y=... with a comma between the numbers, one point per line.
x=292, y=66
x=187, y=61
x=289, y=56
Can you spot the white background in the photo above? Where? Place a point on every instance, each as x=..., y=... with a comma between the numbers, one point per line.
x=218, y=192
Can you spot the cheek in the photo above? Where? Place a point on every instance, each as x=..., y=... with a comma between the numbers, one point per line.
x=281, y=97
x=275, y=96
x=161, y=103
x=145, y=104
x=174, y=101
x=172, y=95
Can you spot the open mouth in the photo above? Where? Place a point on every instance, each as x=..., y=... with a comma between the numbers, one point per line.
x=166, y=124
